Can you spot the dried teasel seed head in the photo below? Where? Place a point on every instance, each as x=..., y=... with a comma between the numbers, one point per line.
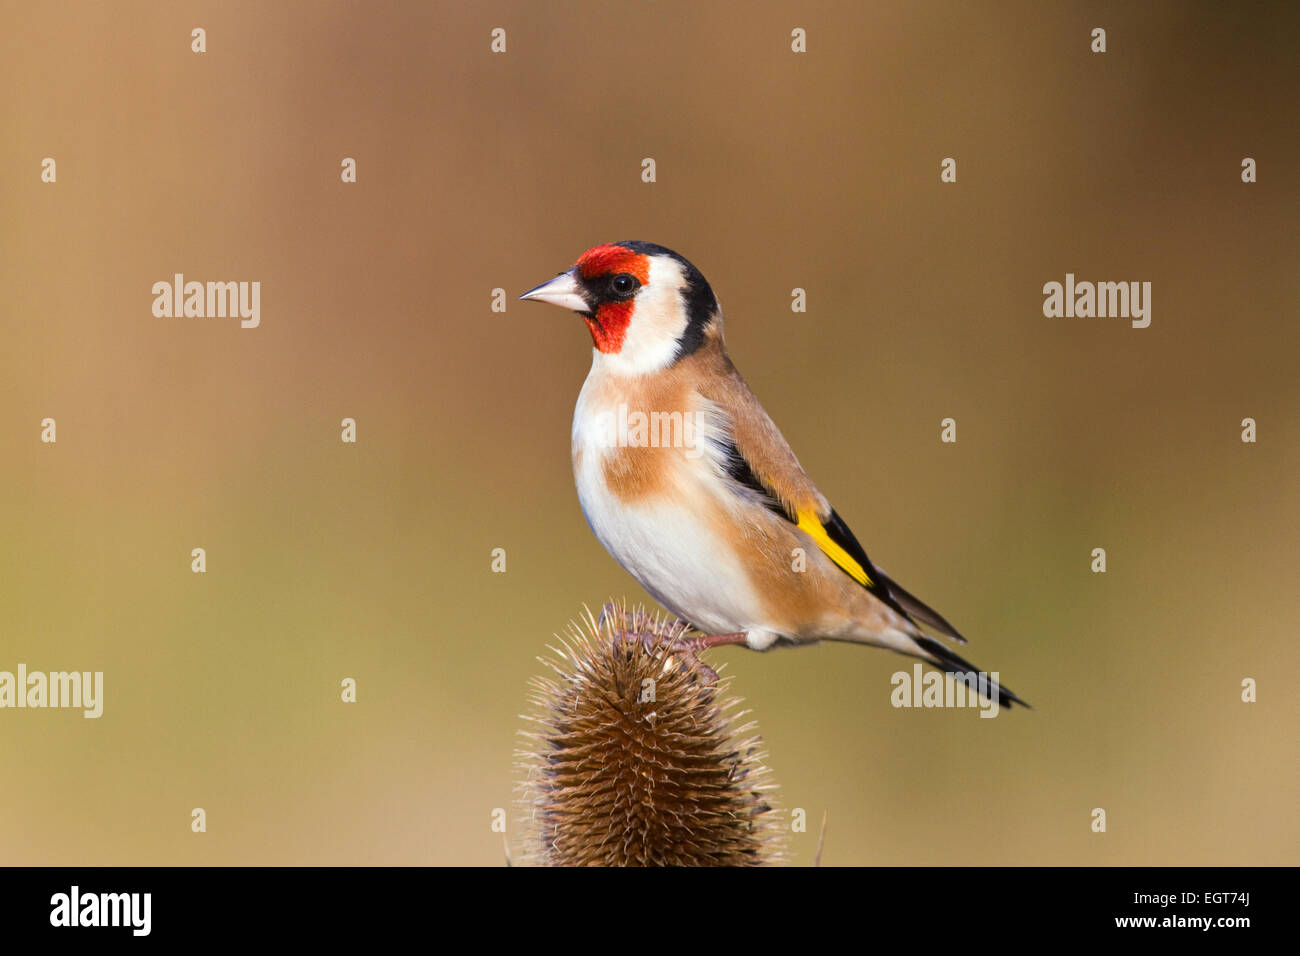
x=633, y=757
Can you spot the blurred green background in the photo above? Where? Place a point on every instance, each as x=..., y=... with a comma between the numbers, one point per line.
x=775, y=170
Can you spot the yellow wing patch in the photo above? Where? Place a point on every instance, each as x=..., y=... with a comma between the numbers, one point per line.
x=810, y=523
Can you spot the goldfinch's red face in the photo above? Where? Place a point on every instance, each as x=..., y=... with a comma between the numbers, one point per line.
x=645, y=305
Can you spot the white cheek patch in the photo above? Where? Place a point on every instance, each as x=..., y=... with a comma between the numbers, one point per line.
x=658, y=321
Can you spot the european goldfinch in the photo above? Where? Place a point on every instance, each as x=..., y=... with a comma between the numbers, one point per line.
x=687, y=482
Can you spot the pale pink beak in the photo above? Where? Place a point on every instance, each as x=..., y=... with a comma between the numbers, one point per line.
x=563, y=291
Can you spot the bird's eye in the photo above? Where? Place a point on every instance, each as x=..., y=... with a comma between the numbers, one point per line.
x=624, y=284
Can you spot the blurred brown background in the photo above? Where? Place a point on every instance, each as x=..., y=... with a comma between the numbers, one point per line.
x=775, y=170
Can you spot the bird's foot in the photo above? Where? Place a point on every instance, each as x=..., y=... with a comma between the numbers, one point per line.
x=670, y=644
x=672, y=636
x=690, y=647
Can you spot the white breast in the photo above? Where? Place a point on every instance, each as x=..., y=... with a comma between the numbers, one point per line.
x=665, y=543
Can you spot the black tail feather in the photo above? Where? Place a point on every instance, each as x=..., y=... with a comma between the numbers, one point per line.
x=953, y=664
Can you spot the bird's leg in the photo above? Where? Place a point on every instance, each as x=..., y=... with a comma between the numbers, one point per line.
x=703, y=642
x=690, y=648
x=626, y=624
